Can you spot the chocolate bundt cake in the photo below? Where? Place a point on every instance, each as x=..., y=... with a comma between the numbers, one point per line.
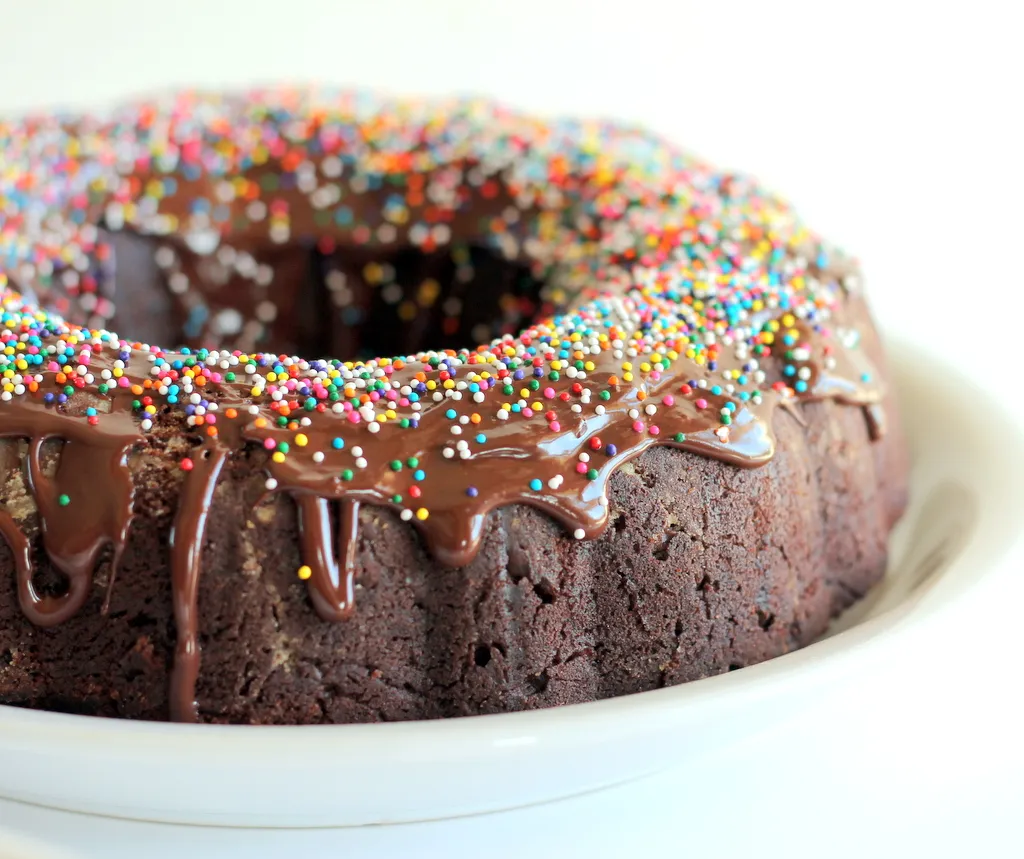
x=673, y=455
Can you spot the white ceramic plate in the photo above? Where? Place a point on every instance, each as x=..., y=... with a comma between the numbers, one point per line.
x=14, y=846
x=960, y=527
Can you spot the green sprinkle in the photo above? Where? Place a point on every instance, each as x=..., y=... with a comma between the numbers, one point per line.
x=347, y=474
x=396, y=465
x=63, y=500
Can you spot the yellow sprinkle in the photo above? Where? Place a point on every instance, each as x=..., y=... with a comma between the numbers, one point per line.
x=305, y=572
x=422, y=513
x=277, y=456
x=301, y=440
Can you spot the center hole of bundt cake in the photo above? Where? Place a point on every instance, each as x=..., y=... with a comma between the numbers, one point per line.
x=317, y=300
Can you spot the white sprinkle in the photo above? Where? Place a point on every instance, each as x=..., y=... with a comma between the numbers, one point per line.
x=405, y=515
x=579, y=533
x=271, y=484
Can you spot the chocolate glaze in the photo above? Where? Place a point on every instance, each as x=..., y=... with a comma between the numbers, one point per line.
x=186, y=554
x=73, y=535
x=94, y=474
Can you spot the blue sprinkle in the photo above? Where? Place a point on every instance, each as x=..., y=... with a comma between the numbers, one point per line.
x=536, y=485
x=338, y=443
x=480, y=438
x=419, y=474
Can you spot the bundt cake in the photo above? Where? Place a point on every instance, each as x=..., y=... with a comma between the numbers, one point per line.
x=673, y=455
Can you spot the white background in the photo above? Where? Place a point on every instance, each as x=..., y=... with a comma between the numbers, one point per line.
x=896, y=127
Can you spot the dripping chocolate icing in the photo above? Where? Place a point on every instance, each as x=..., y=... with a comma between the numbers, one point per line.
x=527, y=458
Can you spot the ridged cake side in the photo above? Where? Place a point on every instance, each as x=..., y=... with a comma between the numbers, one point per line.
x=705, y=567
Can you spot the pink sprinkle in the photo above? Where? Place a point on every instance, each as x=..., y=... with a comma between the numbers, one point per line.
x=269, y=443
x=638, y=426
x=555, y=426
x=404, y=401
x=581, y=468
x=353, y=416
x=654, y=430
x=549, y=392
x=701, y=403
x=668, y=400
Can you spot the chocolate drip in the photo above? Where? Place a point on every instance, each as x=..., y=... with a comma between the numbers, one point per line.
x=186, y=549
x=874, y=414
x=76, y=522
x=332, y=578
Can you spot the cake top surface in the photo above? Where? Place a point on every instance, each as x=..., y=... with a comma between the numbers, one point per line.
x=694, y=297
